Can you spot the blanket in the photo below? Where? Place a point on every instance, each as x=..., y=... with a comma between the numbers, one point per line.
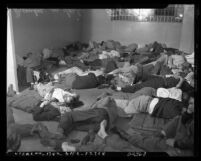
x=25, y=101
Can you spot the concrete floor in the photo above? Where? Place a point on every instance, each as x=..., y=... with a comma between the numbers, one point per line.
x=88, y=96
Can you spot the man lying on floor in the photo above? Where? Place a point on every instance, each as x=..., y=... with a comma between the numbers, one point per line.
x=56, y=102
x=131, y=74
x=158, y=81
x=108, y=107
x=177, y=137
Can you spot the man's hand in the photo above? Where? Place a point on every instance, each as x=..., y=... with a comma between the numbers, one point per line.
x=170, y=142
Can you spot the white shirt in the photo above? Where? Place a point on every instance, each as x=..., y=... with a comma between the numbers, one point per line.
x=59, y=94
x=152, y=105
x=173, y=93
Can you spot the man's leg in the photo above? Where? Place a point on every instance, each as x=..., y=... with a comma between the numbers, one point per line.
x=78, y=119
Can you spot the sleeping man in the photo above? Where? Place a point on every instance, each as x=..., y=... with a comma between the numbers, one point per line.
x=53, y=94
x=158, y=81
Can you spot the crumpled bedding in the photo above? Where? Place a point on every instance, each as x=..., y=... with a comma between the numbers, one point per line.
x=111, y=54
x=25, y=101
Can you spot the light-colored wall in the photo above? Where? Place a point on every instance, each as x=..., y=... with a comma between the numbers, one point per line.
x=11, y=60
x=47, y=30
x=187, y=32
x=98, y=27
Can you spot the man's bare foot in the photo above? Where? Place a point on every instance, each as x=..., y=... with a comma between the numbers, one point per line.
x=102, y=132
x=67, y=148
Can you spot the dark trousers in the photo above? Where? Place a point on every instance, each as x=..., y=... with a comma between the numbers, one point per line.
x=47, y=113
x=153, y=81
x=83, y=120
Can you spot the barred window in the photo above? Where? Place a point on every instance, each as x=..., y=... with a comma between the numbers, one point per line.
x=172, y=13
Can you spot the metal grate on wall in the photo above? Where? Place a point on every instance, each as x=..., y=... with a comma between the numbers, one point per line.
x=171, y=14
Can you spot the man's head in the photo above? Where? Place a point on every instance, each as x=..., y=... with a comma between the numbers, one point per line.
x=191, y=105
x=67, y=98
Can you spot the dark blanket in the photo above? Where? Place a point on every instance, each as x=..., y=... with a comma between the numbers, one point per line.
x=47, y=113
x=85, y=82
x=167, y=108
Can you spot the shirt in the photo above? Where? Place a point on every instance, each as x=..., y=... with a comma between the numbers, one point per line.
x=152, y=105
x=173, y=93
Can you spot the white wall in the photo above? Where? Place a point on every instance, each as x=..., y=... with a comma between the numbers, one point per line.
x=11, y=60
x=187, y=32
x=47, y=30
x=98, y=27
